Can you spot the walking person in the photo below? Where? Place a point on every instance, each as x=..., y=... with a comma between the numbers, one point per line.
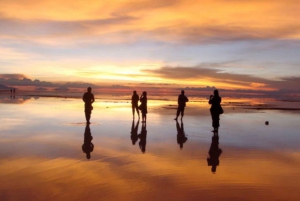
x=88, y=99
x=134, y=103
x=215, y=109
x=182, y=99
x=143, y=106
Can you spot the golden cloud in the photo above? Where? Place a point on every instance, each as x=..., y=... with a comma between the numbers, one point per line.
x=168, y=20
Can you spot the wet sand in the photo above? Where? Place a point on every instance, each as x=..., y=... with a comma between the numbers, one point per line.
x=42, y=158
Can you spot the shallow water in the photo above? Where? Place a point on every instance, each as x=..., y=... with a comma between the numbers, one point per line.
x=42, y=159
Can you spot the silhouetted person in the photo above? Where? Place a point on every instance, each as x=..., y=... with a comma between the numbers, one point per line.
x=88, y=99
x=215, y=109
x=181, y=138
x=134, y=103
x=182, y=99
x=214, y=153
x=134, y=132
x=143, y=106
x=88, y=146
x=143, y=138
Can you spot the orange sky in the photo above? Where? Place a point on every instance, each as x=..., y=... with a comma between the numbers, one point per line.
x=235, y=44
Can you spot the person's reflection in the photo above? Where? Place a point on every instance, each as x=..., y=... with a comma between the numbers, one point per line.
x=214, y=153
x=181, y=138
x=134, y=132
x=88, y=146
x=143, y=138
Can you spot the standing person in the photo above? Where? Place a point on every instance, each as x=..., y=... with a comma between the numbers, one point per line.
x=143, y=106
x=215, y=109
x=182, y=99
x=88, y=99
x=134, y=103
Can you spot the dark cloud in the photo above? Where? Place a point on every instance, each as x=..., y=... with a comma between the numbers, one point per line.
x=216, y=33
x=202, y=72
x=291, y=83
x=12, y=76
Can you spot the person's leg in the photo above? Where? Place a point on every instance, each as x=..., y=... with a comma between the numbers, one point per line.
x=133, y=108
x=182, y=112
x=87, y=116
x=143, y=117
x=137, y=111
x=177, y=113
x=215, y=118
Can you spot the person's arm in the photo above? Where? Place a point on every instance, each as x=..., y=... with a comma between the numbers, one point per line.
x=186, y=99
x=210, y=99
x=93, y=99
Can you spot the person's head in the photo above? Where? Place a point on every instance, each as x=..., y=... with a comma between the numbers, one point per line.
x=134, y=92
x=144, y=93
x=216, y=92
x=89, y=89
x=182, y=92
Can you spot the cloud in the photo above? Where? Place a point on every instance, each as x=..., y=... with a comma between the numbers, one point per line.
x=167, y=20
x=12, y=76
x=202, y=73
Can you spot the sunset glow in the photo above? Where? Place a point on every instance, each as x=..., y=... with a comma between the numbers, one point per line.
x=226, y=44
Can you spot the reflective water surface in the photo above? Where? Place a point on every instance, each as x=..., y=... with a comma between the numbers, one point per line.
x=49, y=153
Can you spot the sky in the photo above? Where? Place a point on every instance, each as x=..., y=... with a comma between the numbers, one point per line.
x=229, y=44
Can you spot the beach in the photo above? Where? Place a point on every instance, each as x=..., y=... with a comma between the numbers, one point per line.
x=42, y=155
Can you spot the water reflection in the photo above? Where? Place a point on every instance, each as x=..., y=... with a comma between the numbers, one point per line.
x=88, y=146
x=214, y=152
x=181, y=138
x=143, y=138
x=134, y=131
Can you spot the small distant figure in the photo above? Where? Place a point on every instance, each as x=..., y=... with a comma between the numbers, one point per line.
x=182, y=99
x=134, y=132
x=214, y=153
x=215, y=109
x=143, y=106
x=134, y=103
x=87, y=146
x=181, y=138
x=267, y=123
x=88, y=99
x=143, y=138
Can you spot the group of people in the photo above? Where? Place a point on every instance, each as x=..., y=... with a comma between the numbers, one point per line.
x=214, y=100
x=143, y=106
x=215, y=111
